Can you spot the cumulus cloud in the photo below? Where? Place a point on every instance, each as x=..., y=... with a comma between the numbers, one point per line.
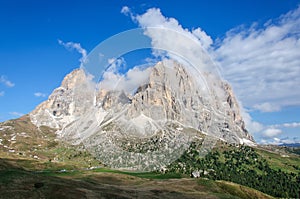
x=78, y=48
x=39, y=94
x=262, y=63
x=2, y=93
x=267, y=107
x=268, y=134
x=6, y=82
x=203, y=37
x=271, y=132
x=170, y=40
x=154, y=18
x=114, y=80
x=253, y=127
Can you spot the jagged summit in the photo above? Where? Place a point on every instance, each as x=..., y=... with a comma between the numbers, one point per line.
x=172, y=94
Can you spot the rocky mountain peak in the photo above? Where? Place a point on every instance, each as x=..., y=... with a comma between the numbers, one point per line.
x=64, y=105
x=172, y=94
x=73, y=79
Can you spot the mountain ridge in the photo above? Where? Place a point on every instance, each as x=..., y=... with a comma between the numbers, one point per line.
x=170, y=94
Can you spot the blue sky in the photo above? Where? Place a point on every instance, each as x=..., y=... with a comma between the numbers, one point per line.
x=33, y=63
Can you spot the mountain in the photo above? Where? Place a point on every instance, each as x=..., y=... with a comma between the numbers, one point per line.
x=171, y=94
x=291, y=145
x=159, y=119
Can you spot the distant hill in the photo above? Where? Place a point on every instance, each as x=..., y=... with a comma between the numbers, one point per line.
x=291, y=145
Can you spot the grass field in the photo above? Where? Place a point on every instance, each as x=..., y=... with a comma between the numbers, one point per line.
x=15, y=182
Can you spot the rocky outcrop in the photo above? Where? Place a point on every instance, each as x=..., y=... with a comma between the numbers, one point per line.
x=66, y=103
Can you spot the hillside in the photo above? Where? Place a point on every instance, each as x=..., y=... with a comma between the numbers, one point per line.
x=15, y=182
x=261, y=169
x=39, y=165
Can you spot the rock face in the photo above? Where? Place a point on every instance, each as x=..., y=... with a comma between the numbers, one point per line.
x=65, y=104
x=172, y=94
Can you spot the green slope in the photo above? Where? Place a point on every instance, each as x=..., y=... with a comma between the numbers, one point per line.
x=32, y=157
x=16, y=182
x=263, y=170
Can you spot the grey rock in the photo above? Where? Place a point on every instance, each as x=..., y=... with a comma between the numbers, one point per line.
x=172, y=94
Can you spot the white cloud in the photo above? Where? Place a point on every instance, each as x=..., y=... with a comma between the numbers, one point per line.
x=2, y=93
x=129, y=82
x=271, y=132
x=6, y=82
x=278, y=141
x=203, y=37
x=169, y=39
x=39, y=94
x=267, y=107
x=16, y=114
x=78, y=48
x=267, y=134
x=287, y=125
x=292, y=125
x=136, y=77
x=262, y=63
x=253, y=127
x=125, y=10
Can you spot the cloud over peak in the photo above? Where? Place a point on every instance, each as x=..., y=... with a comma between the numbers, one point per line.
x=78, y=48
x=154, y=18
x=170, y=40
x=114, y=80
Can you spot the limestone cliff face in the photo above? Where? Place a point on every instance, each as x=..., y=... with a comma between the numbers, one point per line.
x=65, y=103
x=172, y=94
